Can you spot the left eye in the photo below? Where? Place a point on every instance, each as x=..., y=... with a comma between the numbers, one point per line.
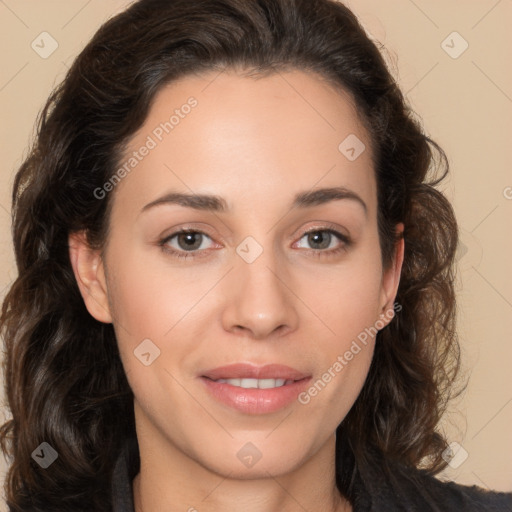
x=323, y=238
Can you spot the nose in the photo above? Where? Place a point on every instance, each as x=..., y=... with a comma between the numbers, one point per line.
x=260, y=300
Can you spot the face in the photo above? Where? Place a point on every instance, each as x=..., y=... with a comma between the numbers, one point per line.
x=279, y=273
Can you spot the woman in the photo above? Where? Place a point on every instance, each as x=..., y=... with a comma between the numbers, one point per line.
x=235, y=279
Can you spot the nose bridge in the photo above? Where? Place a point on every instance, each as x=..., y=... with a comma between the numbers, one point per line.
x=260, y=300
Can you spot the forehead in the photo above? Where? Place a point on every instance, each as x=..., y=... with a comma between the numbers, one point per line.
x=249, y=137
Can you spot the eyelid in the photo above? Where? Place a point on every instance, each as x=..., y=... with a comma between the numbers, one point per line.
x=326, y=227
x=177, y=230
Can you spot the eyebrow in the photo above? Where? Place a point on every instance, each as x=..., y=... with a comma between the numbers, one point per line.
x=214, y=203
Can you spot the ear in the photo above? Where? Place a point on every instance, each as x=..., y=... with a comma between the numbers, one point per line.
x=90, y=276
x=391, y=278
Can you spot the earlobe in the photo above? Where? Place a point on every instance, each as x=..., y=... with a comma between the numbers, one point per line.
x=89, y=273
x=391, y=276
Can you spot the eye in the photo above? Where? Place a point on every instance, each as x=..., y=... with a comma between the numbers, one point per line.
x=183, y=242
x=325, y=241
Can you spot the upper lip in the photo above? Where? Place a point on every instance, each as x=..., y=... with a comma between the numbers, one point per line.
x=249, y=371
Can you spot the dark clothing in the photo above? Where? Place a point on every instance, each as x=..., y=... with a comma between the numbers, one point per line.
x=411, y=490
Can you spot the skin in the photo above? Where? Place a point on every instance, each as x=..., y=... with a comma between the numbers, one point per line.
x=256, y=143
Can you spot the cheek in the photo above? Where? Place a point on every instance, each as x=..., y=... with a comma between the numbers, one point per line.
x=346, y=297
x=152, y=307
x=170, y=307
x=348, y=303
x=148, y=300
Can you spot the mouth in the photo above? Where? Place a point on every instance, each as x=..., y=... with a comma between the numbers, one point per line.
x=255, y=389
x=256, y=383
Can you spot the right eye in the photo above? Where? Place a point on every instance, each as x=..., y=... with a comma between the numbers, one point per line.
x=185, y=241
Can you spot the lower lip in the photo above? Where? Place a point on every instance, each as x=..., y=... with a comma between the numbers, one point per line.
x=253, y=400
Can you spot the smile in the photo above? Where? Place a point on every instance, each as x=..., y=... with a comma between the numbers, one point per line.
x=256, y=383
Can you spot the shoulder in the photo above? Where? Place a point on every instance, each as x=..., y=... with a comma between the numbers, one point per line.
x=453, y=496
x=401, y=488
x=424, y=492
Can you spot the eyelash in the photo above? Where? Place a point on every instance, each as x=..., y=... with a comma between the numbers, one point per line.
x=317, y=252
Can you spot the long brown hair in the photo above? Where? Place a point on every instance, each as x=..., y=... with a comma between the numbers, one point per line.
x=64, y=381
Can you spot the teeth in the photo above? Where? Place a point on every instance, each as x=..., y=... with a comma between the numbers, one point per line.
x=256, y=383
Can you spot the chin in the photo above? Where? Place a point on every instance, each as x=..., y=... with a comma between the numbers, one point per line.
x=247, y=462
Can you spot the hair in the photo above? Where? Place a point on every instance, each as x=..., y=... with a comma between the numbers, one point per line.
x=64, y=381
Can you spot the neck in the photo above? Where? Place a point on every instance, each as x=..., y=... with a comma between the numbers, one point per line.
x=173, y=481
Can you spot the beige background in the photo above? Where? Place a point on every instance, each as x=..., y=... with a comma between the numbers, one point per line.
x=465, y=104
